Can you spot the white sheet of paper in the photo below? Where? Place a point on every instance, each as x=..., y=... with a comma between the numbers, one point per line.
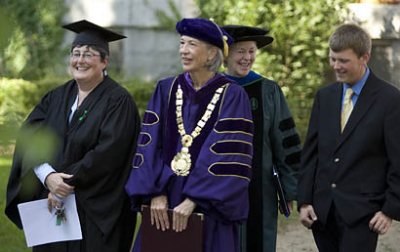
x=40, y=225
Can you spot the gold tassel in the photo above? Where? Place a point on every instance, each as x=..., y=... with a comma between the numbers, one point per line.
x=226, y=47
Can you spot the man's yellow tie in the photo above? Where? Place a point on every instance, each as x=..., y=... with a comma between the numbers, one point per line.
x=347, y=107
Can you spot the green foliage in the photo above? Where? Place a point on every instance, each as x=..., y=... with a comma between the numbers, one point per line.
x=34, y=45
x=141, y=91
x=167, y=22
x=15, y=100
x=18, y=97
x=298, y=57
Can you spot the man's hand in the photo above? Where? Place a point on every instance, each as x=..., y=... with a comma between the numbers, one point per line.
x=307, y=215
x=159, y=212
x=55, y=183
x=290, y=205
x=380, y=223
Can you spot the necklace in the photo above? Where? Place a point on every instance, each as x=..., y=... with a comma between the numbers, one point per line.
x=182, y=162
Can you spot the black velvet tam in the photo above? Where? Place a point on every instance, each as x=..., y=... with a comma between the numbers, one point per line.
x=248, y=33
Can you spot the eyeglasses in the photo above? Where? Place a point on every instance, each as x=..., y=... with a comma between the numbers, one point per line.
x=85, y=55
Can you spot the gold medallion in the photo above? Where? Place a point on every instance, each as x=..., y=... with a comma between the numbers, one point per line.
x=181, y=164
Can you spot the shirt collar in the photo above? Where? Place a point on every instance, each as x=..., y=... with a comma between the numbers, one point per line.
x=359, y=84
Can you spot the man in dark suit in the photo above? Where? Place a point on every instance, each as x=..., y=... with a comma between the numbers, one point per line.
x=349, y=182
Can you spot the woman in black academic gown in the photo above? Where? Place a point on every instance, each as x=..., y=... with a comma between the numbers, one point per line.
x=96, y=123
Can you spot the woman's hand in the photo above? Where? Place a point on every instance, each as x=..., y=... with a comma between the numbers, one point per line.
x=159, y=212
x=55, y=183
x=53, y=202
x=181, y=215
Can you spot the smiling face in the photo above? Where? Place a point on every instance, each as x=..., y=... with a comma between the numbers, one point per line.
x=349, y=68
x=241, y=58
x=195, y=54
x=86, y=65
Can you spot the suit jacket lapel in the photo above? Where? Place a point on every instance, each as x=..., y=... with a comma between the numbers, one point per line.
x=365, y=100
x=337, y=109
x=335, y=105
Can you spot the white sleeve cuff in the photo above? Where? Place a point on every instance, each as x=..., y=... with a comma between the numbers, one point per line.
x=42, y=171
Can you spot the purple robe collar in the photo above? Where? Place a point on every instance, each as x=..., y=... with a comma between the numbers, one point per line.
x=190, y=81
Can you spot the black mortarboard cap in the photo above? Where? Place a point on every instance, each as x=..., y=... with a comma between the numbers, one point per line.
x=92, y=34
x=248, y=33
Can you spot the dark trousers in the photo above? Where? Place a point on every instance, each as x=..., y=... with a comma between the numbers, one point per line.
x=337, y=236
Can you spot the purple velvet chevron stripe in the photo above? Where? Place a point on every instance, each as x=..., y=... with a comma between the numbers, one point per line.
x=144, y=139
x=137, y=160
x=233, y=125
x=233, y=147
x=149, y=118
x=231, y=169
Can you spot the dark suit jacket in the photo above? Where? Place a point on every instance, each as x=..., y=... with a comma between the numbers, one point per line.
x=359, y=169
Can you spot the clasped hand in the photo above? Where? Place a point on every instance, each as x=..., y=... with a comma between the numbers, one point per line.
x=180, y=216
x=58, y=189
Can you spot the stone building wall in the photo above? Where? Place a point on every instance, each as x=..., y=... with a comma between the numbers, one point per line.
x=382, y=21
x=149, y=51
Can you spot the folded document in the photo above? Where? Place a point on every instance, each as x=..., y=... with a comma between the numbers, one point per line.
x=41, y=227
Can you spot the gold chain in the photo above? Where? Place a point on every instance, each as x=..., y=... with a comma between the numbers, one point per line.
x=181, y=163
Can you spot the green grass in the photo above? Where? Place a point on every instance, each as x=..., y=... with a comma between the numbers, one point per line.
x=11, y=238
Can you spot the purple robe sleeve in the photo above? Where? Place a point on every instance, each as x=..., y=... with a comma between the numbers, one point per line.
x=219, y=180
x=147, y=178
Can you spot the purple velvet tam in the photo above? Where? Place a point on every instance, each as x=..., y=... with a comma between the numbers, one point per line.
x=248, y=33
x=203, y=29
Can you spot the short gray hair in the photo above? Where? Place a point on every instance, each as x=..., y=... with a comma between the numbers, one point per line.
x=215, y=63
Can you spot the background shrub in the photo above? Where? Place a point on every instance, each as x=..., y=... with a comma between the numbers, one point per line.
x=18, y=96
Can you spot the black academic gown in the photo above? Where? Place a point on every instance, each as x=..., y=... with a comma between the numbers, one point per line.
x=276, y=143
x=96, y=148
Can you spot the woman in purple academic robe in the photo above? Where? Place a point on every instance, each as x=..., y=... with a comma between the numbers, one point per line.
x=195, y=147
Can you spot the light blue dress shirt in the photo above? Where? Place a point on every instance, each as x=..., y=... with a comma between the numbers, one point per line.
x=357, y=88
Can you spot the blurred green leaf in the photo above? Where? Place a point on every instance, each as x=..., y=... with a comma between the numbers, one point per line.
x=38, y=145
x=6, y=29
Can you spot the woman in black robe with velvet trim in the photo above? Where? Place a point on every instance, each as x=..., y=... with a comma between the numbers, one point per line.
x=95, y=122
x=276, y=142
